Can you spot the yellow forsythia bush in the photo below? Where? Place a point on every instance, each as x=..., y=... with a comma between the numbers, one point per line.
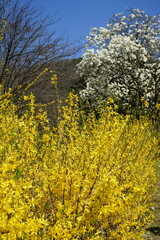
x=84, y=179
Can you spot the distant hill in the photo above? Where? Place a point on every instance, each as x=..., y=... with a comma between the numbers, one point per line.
x=45, y=92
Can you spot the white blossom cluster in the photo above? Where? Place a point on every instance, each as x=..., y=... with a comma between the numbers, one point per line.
x=123, y=60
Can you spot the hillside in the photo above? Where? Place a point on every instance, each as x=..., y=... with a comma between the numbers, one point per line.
x=45, y=92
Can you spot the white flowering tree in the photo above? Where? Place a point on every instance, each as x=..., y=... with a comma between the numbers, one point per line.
x=123, y=61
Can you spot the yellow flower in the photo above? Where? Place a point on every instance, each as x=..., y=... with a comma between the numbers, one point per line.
x=78, y=180
x=54, y=79
x=110, y=100
x=158, y=106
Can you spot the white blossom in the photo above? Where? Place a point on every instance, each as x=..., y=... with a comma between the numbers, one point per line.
x=122, y=60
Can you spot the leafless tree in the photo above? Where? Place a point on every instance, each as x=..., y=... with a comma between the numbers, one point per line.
x=28, y=46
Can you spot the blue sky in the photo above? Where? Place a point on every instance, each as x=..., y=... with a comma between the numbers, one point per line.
x=79, y=16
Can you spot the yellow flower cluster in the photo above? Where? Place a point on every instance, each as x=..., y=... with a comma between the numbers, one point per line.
x=145, y=104
x=53, y=77
x=2, y=31
x=158, y=106
x=85, y=179
x=35, y=80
